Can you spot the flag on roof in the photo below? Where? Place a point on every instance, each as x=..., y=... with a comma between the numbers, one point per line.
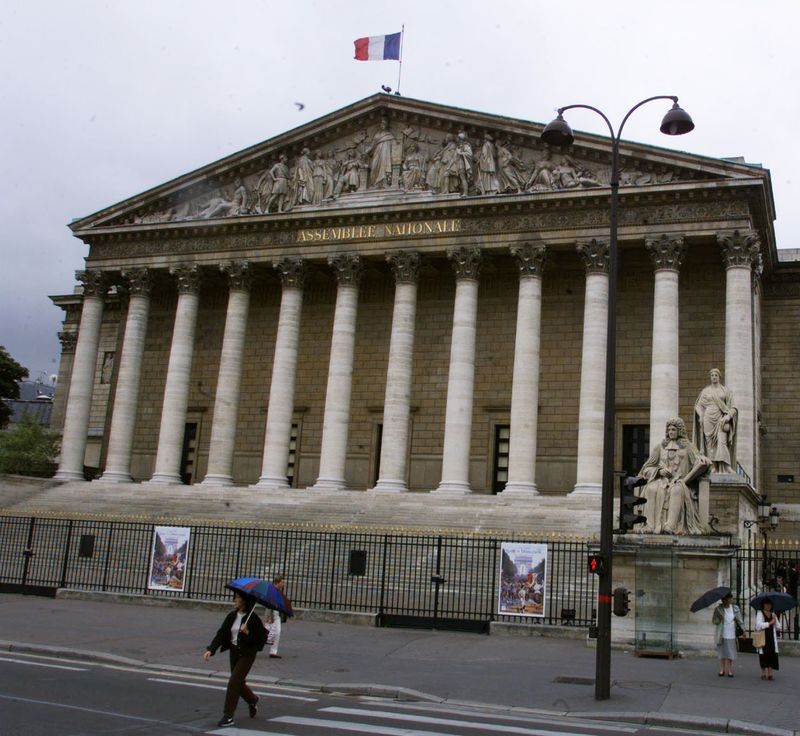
x=378, y=48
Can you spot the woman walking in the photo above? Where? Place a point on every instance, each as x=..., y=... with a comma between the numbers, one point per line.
x=726, y=618
x=769, y=623
x=243, y=635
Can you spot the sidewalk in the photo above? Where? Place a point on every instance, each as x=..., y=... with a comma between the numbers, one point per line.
x=500, y=671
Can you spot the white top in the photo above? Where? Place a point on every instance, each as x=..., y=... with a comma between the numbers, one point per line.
x=237, y=622
x=728, y=626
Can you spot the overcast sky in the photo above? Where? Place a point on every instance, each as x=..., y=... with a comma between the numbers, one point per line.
x=102, y=100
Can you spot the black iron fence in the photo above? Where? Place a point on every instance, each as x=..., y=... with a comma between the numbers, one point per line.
x=773, y=565
x=439, y=581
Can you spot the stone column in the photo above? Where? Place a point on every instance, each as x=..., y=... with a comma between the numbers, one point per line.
x=461, y=377
x=591, y=408
x=739, y=250
x=126, y=397
x=79, y=401
x=525, y=383
x=284, y=368
x=336, y=419
x=229, y=380
x=397, y=403
x=179, y=372
x=667, y=253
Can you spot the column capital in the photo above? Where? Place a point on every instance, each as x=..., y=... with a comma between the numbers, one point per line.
x=239, y=273
x=137, y=281
x=348, y=268
x=594, y=254
x=405, y=265
x=95, y=283
x=739, y=248
x=666, y=251
x=68, y=341
x=530, y=257
x=188, y=276
x=292, y=272
x=466, y=262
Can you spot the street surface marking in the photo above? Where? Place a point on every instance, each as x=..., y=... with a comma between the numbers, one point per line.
x=393, y=731
x=541, y=717
x=504, y=728
x=234, y=731
x=42, y=664
x=222, y=687
x=50, y=703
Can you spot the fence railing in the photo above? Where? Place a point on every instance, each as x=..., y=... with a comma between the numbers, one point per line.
x=439, y=580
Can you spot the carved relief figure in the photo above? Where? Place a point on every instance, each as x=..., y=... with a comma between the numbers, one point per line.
x=672, y=472
x=303, y=180
x=486, y=172
x=413, y=171
x=221, y=207
x=319, y=178
x=380, y=165
x=462, y=169
x=511, y=170
x=349, y=176
x=432, y=178
x=542, y=177
x=715, y=418
x=275, y=186
x=568, y=175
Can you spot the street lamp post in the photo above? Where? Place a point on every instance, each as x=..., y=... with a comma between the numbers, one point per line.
x=768, y=517
x=558, y=133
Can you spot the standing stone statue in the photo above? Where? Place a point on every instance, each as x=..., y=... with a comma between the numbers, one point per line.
x=463, y=162
x=380, y=152
x=715, y=418
x=486, y=173
x=672, y=472
x=303, y=181
x=510, y=169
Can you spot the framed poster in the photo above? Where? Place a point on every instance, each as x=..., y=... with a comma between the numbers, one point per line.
x=523, y=579
x=168, y=558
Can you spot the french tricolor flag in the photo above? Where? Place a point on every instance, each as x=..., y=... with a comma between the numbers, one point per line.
x=378, y=48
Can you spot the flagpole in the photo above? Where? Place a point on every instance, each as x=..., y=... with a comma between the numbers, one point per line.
x=400, y=67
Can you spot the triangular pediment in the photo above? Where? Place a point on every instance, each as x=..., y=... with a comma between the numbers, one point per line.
x=387, y=149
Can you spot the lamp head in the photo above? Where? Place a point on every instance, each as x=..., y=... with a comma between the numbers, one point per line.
x=557, y=132
x=677, y=121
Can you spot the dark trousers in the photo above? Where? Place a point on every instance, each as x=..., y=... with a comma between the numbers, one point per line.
x=241, y=662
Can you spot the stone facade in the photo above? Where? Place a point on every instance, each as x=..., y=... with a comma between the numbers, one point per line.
x=677, y=214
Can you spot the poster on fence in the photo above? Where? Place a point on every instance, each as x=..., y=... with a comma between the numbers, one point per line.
x=168, y=558
x=523, y=576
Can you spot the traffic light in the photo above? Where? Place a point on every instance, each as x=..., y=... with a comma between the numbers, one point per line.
x=628, y=501
x=597, y=564
x=622, y=601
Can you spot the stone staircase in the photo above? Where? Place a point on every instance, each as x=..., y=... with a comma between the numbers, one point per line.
x=350, y=510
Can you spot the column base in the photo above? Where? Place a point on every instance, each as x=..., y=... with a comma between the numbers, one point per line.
x=520, y=490
x=166, y=479
x=387, y=485
x=587, y=489
x=68, y=475
x=216, y=480
x=329, y=484
x=453, y=488
x=269, y=483
x=116, y=476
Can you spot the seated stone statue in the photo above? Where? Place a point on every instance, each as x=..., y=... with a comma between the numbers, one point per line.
x=672, y=472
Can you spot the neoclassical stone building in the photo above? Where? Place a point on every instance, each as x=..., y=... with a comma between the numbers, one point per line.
x=402, y=296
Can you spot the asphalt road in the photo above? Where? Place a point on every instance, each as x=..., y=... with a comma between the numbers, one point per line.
x=42, y=695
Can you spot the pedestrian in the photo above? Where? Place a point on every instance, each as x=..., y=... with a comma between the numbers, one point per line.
x=243, y=635
x=727, y=618
x=768, y=622
x=278, y=618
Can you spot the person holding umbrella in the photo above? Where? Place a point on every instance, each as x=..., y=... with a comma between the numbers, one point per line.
x=726, y=618
x=243, y=635
x=766, y=644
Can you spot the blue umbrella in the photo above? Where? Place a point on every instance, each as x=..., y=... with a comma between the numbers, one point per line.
x=781, y=602
x=262, y=591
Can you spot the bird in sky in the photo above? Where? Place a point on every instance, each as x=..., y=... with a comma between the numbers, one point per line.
x=300, y=105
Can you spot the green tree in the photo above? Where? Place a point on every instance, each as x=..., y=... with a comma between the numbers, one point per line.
x=10, y=373
x=28, y=449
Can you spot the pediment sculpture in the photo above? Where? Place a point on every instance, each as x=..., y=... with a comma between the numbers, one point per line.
x=405, y=160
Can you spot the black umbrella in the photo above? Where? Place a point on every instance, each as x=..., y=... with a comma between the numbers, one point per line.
x=710, y=597
x=780, y=601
